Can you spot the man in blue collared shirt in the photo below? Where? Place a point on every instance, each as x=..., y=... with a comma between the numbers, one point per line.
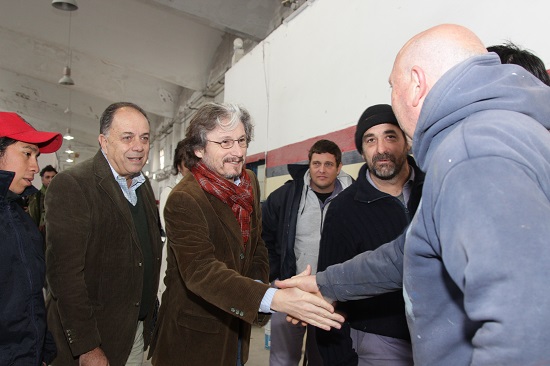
x=104, y=248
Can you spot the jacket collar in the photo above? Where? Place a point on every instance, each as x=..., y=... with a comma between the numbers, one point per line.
x=107, y=183
x=297, y=171
x=6, y=177
x=222, y=210
x=367, y=193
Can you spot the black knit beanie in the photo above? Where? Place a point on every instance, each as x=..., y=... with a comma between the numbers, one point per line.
x=372, y=116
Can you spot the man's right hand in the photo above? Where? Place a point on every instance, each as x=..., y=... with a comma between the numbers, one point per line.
x=302, y=306
x=307, y=307
x=95, y=357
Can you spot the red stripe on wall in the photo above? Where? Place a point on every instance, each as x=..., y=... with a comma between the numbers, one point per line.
x=293, y=153
x=254, y=158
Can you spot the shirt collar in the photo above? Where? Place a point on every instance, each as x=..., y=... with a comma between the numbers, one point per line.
x=129, y=192
x=407, y=187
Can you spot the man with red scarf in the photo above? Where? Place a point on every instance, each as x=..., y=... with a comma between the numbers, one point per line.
x=217, y=272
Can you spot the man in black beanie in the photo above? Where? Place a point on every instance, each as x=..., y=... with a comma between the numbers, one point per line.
x=372, y=211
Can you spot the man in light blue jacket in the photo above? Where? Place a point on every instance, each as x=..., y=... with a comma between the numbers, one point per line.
x=475, y=261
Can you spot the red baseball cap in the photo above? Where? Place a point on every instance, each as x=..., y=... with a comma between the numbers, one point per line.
x=16, y=128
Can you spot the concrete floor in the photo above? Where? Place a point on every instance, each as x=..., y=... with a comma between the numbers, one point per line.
x=259, y=356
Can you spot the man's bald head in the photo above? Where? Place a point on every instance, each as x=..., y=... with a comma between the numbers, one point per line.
x=422, y=61
x=440, y=48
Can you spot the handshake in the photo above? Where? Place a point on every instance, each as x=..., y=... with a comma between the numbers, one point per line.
x=300, y=298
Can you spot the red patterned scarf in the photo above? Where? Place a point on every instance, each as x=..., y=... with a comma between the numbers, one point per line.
x=238, y=197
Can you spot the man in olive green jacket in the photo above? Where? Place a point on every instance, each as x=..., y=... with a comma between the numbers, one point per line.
x=104, y=248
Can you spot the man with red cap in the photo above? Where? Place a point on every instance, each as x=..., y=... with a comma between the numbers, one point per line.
x=24, y=337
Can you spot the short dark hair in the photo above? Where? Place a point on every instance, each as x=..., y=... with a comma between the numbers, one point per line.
x=179, y=155
x=47, y=168
x=326, y=146
x=510, y=53
x=207, y=118
x=109, y=113
x=4, y=143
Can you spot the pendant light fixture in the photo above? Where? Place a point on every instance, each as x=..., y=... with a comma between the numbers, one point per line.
x=69, y=5
x=67, y=136
x=66, y=78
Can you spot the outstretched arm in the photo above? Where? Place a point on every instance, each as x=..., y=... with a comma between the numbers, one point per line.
x=366, y=275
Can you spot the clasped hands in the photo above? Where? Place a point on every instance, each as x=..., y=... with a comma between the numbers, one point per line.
x=300, y=298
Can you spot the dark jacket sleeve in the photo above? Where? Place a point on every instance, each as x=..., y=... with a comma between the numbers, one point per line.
x=336, y=246
x=271, y=210
x=367, y=274
x=49, y=350
x=259, y=269
x=68, y=227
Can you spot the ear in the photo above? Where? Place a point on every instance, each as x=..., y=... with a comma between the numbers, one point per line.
x=339, y=167
x=199, y=153
x=102, y=142
x=408, y=144
x=420, y=85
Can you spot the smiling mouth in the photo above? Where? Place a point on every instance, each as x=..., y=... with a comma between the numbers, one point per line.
x=136, y=159
x=234, y=162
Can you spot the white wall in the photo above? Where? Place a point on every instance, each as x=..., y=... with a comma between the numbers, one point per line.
x=318, y=72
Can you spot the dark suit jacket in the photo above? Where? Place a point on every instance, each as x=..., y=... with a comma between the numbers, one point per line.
x=211, y=297
x=94, y=263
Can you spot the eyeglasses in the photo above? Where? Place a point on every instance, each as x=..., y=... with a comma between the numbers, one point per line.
x=228, y=143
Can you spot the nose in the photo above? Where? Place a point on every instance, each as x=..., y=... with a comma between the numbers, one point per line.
x=138, y=145
x=34, y=165
x=381, y=147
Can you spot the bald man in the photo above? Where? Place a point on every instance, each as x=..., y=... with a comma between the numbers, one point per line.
x=474, y=259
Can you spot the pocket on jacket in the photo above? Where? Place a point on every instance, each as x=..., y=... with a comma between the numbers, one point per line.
x=199, y=323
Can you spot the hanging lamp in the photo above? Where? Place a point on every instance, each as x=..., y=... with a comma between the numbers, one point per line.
x=68, y=5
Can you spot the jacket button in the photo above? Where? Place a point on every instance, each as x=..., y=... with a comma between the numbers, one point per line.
x=242, y=256
x=139, y=264
x=136, y=304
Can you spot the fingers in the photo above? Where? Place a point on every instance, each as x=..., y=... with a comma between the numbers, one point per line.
x=294, y=320
x=294, y=281
x=306, y=307
x=319, y=313
x=291, y=282
x=324, y=320
x=305, y=283
x=306, y=272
